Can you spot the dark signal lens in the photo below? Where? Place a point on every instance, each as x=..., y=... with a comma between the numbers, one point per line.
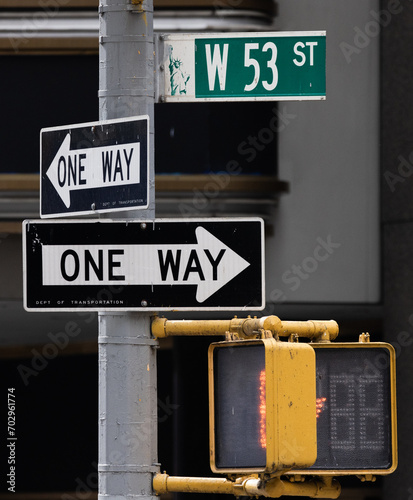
x=354, y=429
x=240, y=406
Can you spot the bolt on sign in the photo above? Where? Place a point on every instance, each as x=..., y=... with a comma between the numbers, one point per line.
x=244, y=66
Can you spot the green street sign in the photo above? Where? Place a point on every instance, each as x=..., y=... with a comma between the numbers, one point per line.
x=244, y=66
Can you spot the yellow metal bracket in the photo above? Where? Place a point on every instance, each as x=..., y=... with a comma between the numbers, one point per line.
x=248, y=486
x=364, y=337
x=244, y=328
x=367, y=477
x=266, y=334
x=231, y=336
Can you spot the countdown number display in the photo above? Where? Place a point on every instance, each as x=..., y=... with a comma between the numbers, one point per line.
x=355, y=408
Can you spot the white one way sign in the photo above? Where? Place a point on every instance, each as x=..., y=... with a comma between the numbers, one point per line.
x=208, y=264
x=194, y=264
x=94, y=167
x=90, y=168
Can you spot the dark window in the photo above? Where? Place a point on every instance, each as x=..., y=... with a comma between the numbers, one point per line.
x=56, y=424
x=38, y=92
x=199, y=138
x=190, y=138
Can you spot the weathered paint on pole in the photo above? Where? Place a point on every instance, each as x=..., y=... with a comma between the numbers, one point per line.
x=127, y=353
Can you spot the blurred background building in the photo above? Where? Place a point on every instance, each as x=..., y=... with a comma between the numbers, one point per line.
x=336, y=173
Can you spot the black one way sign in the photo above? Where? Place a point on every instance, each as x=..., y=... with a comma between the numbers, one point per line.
x=159, y=265
x=94, y=167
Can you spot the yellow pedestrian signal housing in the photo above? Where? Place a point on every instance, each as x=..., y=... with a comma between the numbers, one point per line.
x=356, y=409
x=262, y=406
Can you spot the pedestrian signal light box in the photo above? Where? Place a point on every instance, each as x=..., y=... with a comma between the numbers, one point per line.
x=356, y=409
x=262, y=406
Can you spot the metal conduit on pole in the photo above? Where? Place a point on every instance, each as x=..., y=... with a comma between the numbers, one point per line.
x=127, y=354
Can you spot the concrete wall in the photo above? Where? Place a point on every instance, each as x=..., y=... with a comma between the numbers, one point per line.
x=325, y=247
x=397, y=222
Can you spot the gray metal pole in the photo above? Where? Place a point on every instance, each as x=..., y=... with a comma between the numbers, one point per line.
x=127, y=353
